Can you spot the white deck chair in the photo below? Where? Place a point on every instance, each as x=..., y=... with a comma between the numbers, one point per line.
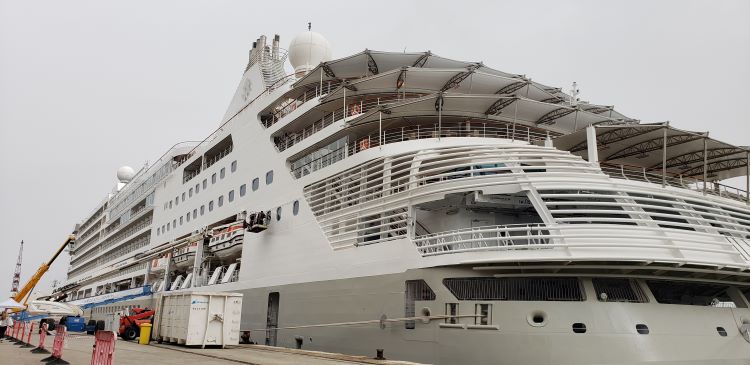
x=228, y=274
x=215, y=276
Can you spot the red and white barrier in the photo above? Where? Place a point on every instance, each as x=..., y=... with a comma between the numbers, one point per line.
x=27, y=343
x=42, y=336
x=104, y=348
x=57, y=347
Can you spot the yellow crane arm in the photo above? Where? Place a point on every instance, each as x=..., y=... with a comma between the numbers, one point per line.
x=41, y=270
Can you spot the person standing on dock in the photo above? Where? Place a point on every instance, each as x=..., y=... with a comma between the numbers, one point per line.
x=5, y=322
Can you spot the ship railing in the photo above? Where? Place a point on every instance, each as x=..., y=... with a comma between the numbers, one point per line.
x=401, y=134
x=636, y=173
x=354, y=108
x=287, y=106
x=606, y=240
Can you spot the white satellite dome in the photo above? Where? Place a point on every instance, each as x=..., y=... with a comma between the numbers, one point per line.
x=307, y=50
x=125, y=174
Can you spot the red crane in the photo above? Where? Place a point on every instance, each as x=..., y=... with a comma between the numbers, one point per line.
x=17, y=273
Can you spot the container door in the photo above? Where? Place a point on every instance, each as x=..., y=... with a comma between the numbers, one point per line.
x=272, y=318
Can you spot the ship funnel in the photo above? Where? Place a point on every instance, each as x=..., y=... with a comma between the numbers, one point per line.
x=275, y=49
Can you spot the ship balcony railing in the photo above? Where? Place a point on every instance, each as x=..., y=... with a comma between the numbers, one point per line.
x=416, y=132
x=592, y=241
x=642, y=174
x=215, y=158
x=289, y=105
x=350, y=110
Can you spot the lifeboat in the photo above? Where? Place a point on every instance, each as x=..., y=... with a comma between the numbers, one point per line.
x=226, y=242
x=184, y=256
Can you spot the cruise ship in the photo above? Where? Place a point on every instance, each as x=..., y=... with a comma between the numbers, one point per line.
x=438, y=209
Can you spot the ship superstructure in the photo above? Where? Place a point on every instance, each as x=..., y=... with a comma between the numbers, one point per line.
x=440, y=209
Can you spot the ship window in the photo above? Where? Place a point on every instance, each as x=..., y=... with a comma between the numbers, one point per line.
x=180, y=220
x=520, y=289
x=211, y=206
x=203, y=209
x=221, y=200
x=170, y=204
x=176, y=200
x=618, y=290
x=195, y=213
x=415, y=290
x=234, y=166
x=205, y=184
x=256, y=184
x=295, y=207
x=187, y=217
x=158, y=230
x=483, y=314
x=213, y=178
x=190, y=193
x=243, y=190
x=183, y=196
x=174, y=223
x=278, y=213
x=230, y=196
x=685, y=293
x=269, y=177
x=222, y=172
x=451, y=310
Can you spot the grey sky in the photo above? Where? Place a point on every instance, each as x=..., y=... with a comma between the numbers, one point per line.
x=88, y=86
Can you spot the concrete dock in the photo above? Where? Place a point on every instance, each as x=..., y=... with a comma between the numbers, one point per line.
x=78, y=350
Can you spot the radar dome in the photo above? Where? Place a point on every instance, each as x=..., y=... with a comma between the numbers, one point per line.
x=125, y=174
x=307, y=50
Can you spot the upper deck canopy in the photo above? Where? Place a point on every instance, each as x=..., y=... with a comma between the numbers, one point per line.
x=643, y=145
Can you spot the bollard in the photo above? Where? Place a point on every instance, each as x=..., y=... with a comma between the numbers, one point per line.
x=27, y=344
x=57, y=347
x=104, y=348
x=42, y=336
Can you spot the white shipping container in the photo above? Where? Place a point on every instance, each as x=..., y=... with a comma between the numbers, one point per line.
x=196, y=318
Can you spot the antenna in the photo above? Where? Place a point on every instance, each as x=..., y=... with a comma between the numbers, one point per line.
x=17, y=273
x=574, y=94
x=309, y=26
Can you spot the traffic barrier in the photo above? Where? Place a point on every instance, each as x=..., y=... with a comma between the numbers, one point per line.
x=42, y=336
x=18, y=338
x=27, y=344
x=104, y=348
x=57, y=347
x=14, y=333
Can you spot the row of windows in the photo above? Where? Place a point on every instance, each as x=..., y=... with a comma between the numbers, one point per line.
x=219, y=202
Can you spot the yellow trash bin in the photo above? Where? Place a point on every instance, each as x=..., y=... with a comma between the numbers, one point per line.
x=145, y=334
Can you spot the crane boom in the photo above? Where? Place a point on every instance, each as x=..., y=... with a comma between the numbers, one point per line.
x=41, y=271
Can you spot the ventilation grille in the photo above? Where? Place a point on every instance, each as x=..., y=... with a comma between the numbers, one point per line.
x=520, y=289
x=618, y=290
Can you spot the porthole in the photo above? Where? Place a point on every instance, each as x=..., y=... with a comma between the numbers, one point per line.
x=203, y=209
x=211, y=206
x=222, y=172
x=269, y=177
x=205, y=184
x=213, y=178
x=243, y=190
x=256, y=184
x=278, y=213
x=537, y=319
x=230, y=196
x=579, y=327
x=190, y=193
x=221, y=200
x=234, y=166
x=642, y=329
x=722, y=332
x=197, y=188
x=295, y=207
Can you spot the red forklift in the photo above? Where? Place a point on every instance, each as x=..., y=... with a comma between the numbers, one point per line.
x=130, y=326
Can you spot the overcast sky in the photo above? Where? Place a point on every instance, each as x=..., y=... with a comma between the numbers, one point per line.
x=88, y=86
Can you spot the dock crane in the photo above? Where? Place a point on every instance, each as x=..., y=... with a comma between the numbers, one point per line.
x=21, y=295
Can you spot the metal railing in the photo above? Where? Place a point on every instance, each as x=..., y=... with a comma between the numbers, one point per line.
x=351, y=109
x=401, y=134
x=584, y=236
x=524, y=236
x=642, y=174
x=289, y=105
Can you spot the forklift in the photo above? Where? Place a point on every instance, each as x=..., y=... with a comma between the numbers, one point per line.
x=130, y=326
